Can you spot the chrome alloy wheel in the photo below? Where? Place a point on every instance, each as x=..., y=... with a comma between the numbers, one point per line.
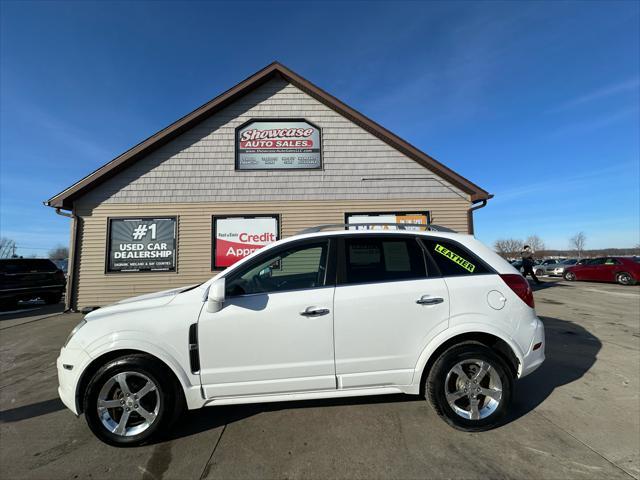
x=624, y=279
x=473, y=389
x=128, y=403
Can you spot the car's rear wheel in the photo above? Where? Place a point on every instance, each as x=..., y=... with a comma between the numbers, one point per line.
x=570, y=276
x=130, y=400
x=624, y=278
x=470, y=387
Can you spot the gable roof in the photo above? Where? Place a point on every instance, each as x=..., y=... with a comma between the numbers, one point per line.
x=65, y=198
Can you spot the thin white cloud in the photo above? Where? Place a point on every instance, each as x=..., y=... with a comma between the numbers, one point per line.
x=603, y=92
x=66, y=134
x=570, y=183
x=593, y=123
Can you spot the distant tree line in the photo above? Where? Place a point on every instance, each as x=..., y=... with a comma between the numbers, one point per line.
x=510, y=248
x=8, y=248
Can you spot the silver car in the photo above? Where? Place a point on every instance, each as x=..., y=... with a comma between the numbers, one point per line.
x=554, y=268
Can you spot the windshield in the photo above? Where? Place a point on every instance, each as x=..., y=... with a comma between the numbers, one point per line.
x=569, y=261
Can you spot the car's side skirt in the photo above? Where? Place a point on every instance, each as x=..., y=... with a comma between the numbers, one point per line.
x=295, y=396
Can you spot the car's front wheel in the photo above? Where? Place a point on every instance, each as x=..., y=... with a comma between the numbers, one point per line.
x=570, y=276
x=470, y=387
x=130, y=400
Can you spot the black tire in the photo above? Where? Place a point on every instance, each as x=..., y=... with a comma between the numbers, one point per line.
x=570, y=276
x=52, y=298
x=539, y=272
x=435, y=387
x=169, y=399
x=624, y=278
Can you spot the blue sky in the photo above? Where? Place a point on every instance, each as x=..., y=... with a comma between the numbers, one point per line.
x=537, y=102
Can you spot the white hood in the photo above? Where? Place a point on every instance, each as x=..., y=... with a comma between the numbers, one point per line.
x=149, y=296
x=141, y=302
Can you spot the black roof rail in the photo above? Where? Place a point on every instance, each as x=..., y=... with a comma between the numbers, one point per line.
x=358, y=226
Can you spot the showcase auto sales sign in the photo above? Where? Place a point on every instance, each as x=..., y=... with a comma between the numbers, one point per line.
x=278, y=144
x=235, y=238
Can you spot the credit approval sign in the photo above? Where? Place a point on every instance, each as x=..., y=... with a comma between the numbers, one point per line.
x=278, y=145
x=236, y=237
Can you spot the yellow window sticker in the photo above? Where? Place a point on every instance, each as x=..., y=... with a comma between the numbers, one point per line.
x=466, y=264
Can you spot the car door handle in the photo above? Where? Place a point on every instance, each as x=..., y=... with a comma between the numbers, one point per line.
x=314, y=312
x=429, y=300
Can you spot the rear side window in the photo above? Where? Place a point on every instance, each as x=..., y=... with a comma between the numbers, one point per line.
x=453, y=260
x=371, y=259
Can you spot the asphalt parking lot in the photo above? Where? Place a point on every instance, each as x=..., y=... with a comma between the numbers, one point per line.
x=578, y=416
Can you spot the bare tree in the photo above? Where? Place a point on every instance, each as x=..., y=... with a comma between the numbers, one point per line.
x=59, y=253
x=7, y=248
x=535, y=242
x=577, y=243
x=508, y=247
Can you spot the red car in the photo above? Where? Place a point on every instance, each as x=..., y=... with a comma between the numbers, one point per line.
x=624, y=270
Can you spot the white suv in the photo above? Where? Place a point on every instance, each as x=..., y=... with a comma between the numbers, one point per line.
x=318, y=315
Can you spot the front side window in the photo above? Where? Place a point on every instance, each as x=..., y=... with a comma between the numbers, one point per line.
x=381, y=259
x=295, y=268
x=454, y=260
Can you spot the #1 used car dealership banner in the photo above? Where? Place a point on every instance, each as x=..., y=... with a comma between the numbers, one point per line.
x=237, y=237
x=142, y=245
x=278, y=145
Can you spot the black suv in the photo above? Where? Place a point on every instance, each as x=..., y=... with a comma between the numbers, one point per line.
x=29, y=278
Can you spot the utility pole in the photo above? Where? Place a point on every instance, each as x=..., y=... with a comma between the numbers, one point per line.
x=13, y=254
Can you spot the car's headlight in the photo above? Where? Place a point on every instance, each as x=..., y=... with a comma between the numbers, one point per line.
x=74, y=331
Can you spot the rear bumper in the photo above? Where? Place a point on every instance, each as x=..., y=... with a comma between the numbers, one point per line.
x=535, y=356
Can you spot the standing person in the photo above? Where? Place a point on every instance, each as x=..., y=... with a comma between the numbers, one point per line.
x=527, y=263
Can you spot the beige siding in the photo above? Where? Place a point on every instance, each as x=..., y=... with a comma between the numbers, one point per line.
x=199, y=165
x=94, y=287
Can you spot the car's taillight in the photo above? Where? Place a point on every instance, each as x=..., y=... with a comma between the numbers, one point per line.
x=520, y=286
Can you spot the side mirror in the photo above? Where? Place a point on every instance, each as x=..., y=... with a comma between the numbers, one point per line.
x=215, y=299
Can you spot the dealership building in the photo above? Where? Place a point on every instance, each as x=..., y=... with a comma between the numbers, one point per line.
x=271, y=156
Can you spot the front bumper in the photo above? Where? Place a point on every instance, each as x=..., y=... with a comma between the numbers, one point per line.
x=71, y=363
x=535, y=356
